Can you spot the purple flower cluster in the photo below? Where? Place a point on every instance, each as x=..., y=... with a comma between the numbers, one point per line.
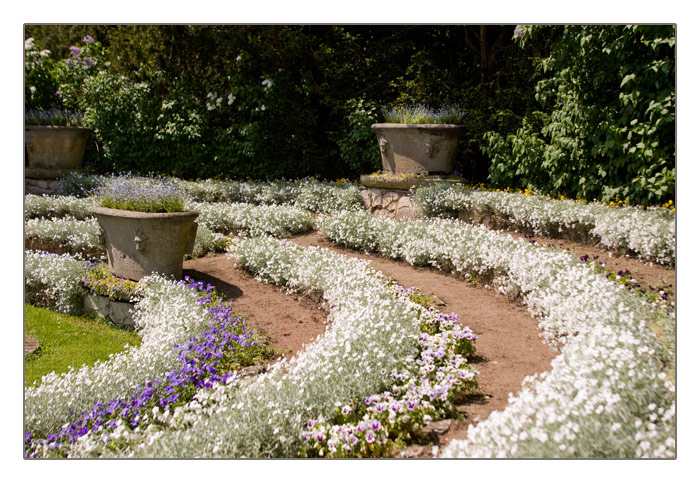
x=78, y=57
x=202, y=358
x=420, y=392
x=625, y=278
x=151, y=195
x=419, y=113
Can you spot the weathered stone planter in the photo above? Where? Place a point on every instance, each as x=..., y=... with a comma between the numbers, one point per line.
x=55, y=147
x=139, y=243
x=418, y=148
x=118, y=312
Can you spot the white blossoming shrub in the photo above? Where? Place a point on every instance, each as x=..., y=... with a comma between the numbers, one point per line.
x=647, y=234
x=308, y=194
x=320, y=197
x=166, y=315
x=46, y=206
x=80, y=237
x=249, y=220
x=372, y=332
x=54, y=281
x=607, y=394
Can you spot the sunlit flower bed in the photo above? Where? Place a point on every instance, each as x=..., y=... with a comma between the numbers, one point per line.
x=203, y=361
x=46, y=206
x=167, y=314
x=71, y=228
x=384, y=368
x=373, y=334
x=249, y=220
x=649, y=234
x=79, y=237
x=308, y=194
x=607, y=394
x=54, y=281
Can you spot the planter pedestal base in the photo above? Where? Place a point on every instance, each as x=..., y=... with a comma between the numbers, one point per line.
x=117, y=312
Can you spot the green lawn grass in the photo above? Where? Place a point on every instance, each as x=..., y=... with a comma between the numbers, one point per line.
x=67, y=340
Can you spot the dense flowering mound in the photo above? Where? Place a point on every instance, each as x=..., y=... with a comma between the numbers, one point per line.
x=249, y=220
x=649, y=234
x=307, y=194
x=54, y=281
x=168, y=314
x=78, y=237
x=204, y=360
x=46, y=206
x=607, y=394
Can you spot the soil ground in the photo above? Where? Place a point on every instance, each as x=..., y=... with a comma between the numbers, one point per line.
x=508, y=346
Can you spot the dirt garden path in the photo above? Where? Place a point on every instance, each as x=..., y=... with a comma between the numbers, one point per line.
x=508, y=347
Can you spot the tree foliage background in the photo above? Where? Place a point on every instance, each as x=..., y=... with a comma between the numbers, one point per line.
x=257, y=101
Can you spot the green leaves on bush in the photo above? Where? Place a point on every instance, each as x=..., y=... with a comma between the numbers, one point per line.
x=358, y=143
x=610, y=131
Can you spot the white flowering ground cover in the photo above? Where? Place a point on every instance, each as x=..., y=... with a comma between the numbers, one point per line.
x=54, y=281
x=65, y=221
x=48, y=207
x=167, y=314
x=649, y=234
x=375, y=343
x=308, y=194
x=372, y=333
x=81, y=237
x=248, y=220
x=607, y=394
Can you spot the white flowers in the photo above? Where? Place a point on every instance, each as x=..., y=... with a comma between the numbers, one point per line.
x=609, y=369
x=307, y=194
x=250, y=220
x=367, y=318
x=80, y=237
x=168, y=314
x=648, y=234
x=213, y=101
x=54, y=281
x=57, y=206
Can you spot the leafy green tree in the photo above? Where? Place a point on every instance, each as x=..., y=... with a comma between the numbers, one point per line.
x=609, y=127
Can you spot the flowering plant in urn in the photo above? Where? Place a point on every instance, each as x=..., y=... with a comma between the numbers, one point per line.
x=146, y=228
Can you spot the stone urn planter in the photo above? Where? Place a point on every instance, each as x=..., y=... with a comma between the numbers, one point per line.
x=418, y=148
x=140, y=243
x=55, y=147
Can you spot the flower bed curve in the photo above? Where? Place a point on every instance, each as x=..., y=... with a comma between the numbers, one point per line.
x=649, y=234
x=607, y=394
x=373, y=332
x=422, y=382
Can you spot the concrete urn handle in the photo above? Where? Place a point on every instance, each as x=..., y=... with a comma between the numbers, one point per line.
x=140, y=240
x=383, y=144
x=429, y=146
